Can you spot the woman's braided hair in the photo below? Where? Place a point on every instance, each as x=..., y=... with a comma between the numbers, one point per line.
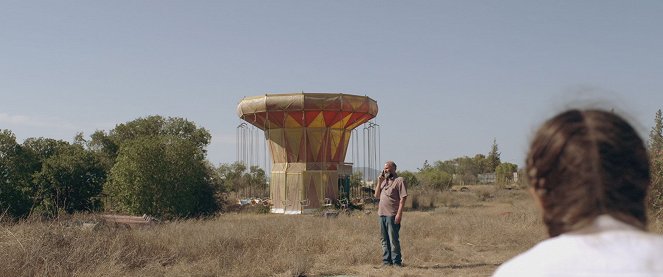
x=585, y=163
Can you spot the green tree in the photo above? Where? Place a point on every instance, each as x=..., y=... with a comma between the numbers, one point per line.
x=493, y=157
x=153, y=126
x=164, y=176
x=232, y=176
x=147, y=155
x=14, y=177
x=70, y=180
x=40, y=149
x=435, y=178
x=256, y=180
x=103, y=146
x=504, y=172
x=656, y=191
x=410, y=178
x=449, y=166
x=236, y=177
x=481, y=163
x=51, y=175
x=656, y=134
x=466, y=169
x=425, y=166
x=107, y=144
x=656, y=165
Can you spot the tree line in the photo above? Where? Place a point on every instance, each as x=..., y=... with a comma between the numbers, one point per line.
x=158, y=166
x=152, y=165
x=441, y=175
x=655, y=147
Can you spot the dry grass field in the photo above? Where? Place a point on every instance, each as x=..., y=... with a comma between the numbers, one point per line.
x=460, y=234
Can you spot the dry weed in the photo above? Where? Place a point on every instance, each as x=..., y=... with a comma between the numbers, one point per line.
x=450, y=234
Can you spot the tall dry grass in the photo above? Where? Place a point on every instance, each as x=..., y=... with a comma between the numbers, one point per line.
x=450, y=234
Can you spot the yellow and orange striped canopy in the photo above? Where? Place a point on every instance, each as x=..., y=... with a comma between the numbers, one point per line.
x=308, y=127
x=314, y=110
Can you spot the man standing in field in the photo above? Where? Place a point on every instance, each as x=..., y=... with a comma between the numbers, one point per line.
x=390, y=189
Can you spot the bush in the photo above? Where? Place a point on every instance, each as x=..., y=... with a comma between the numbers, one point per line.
x=69, y=181
x=415, y=202
x=263, y=209
x=14, y=177
x=161, y=176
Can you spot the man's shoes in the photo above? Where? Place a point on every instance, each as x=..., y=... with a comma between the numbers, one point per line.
x=383, y=266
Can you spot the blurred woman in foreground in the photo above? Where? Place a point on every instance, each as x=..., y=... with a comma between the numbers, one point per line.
x=588, y=170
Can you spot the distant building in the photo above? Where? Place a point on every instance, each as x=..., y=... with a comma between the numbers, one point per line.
x=486, y=178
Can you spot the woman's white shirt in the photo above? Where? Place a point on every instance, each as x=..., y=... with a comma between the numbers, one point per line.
x=608, y=247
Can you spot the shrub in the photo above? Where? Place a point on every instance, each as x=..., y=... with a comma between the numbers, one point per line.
x=161, y=176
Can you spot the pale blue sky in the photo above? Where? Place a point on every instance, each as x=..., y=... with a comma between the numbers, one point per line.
x=449, y=76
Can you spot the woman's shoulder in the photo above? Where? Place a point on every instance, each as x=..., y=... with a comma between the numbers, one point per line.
x=535, y=259
x=571, y=253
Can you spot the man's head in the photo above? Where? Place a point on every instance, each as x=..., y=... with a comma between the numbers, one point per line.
x=390, y=166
